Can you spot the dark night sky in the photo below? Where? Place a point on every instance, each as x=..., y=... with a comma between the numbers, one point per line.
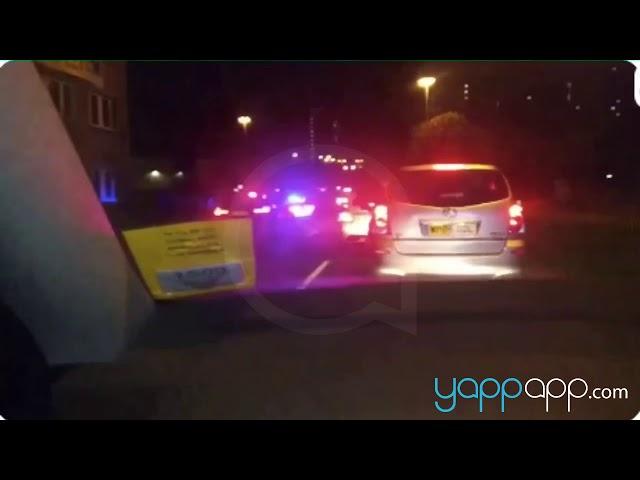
x=188, y=109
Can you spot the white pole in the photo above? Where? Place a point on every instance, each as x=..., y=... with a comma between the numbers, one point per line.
x=62, y=270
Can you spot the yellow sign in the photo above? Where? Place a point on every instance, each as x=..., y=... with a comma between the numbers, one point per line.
x=194, y=258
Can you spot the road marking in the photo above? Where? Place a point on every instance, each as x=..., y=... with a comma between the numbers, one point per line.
x=313, y=275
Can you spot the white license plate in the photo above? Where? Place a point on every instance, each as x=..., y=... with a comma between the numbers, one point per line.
x=466, y=228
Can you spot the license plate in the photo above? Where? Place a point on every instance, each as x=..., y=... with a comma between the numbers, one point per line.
x=450, y=229
x=441, y=230
x=466, y=228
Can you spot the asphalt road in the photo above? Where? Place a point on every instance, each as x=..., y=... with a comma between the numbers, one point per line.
x=226, y=360
x=324, y=339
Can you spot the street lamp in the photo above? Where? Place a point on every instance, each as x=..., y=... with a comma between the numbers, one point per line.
x=245, y=121
x=426, y=83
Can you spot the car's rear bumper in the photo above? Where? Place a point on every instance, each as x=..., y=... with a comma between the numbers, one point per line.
x=506, y=263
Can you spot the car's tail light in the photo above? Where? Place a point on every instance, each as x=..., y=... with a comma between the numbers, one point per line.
x=262, y=210
x=345, y=217
x=341, y=201
x=218, y=212
x=302, y=210
x=516, y=219
x=381, y=215
x=380, y=219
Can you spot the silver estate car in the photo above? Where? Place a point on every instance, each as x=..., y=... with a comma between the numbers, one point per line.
x=451, y=220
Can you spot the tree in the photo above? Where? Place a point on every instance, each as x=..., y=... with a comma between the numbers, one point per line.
x=449, y=136
x=530, y=160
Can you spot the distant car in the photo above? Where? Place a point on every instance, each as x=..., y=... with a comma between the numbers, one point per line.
x=294, y=208
x=357, y=200
x=306, y=214
x=449, y=219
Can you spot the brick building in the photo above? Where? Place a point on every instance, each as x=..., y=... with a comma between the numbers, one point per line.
x=91, y=98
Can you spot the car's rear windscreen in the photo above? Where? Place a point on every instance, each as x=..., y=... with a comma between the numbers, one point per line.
x=455, y=188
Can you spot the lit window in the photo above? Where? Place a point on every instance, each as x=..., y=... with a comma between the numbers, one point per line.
x=618, y=101
x=577, y=107
x=617, y=114
x=105, y=183
x=61, y=96
x=102, y=111
x=612, y=108
x=529, y=97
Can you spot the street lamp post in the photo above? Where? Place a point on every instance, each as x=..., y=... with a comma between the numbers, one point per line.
x=245, y=121
x=426, y=83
